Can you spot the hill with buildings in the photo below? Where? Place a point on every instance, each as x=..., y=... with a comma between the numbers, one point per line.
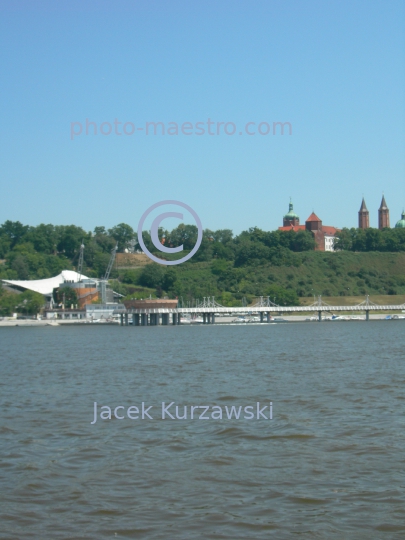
x=285, y=264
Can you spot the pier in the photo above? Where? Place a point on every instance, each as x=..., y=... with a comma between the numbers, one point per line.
x=264, y=308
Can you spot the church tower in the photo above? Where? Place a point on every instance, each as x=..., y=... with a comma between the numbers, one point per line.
x=383, y=215
x=364, y=217
x=291, y=218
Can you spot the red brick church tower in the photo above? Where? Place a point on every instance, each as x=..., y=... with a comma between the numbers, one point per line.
x=383, y=215
x=314, y=225
x=364, y=217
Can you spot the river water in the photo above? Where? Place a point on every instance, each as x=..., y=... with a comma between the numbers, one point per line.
x=329, y=465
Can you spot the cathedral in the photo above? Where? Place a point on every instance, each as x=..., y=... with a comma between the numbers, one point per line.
x=383, y=216
x=324, y=235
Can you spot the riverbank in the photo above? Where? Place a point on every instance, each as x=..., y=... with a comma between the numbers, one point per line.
x=218, y=320
x=49, y=322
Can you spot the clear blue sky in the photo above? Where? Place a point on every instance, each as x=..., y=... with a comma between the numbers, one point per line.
x=334, y=69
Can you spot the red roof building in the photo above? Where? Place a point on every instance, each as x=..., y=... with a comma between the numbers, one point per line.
x=324, y=235
x=292, y=228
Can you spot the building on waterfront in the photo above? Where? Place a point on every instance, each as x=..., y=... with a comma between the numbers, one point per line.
x=44, y=286
x=100, y=312
x=87, y=289
x=401, y=223
x=324, y=235
x=150, y=303
x=364, y=216
x=90, y=312
x=383, y=215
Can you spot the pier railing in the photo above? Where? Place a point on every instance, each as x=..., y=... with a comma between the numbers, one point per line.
x=265, y=305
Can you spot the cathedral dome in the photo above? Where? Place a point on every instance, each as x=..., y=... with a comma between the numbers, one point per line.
x=291, y=214
x=401, y=223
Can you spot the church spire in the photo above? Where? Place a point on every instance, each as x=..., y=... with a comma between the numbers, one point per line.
x=383, y=215
x=363, y=207
x=383, y=205
x=364, y=217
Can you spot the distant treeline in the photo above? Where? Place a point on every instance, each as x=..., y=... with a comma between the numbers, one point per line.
x=389, y=240
x=43, y=251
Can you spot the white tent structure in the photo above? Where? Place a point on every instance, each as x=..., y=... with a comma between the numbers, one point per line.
x=46, y=286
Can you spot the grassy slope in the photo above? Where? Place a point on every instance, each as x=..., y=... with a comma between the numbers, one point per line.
x=329, y=274
x=355, y=300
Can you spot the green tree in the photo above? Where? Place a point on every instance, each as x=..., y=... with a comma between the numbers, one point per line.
x=44, y=238
x=251, y=253
x=5, y=246
x=152, y=276
x=219, y=266
x=100, y=263
x=228, y=300
x=19, y=265
x=374, y=240
x=103, y=240
x=223, y=251
x=30, y=303
x=185, y=235
x=205, y=251
x=130, y=277
x=147, y=241
x=14, y=231
x=123, y=234
x=70, y=239
x=344, y=241
x=8, y=302
x=302, y=241
x=283, y=297
x=65, y=295
x=27, y=303
x=223, y=236
x=169, y=279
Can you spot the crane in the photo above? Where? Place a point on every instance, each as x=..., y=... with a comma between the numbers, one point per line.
x=104, y=281
x=80, y=265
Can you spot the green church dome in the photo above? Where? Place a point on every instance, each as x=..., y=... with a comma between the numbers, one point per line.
x=291, y=214
x=401, y=223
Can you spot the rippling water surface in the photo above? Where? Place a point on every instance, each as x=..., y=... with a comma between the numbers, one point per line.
x=330, y=465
